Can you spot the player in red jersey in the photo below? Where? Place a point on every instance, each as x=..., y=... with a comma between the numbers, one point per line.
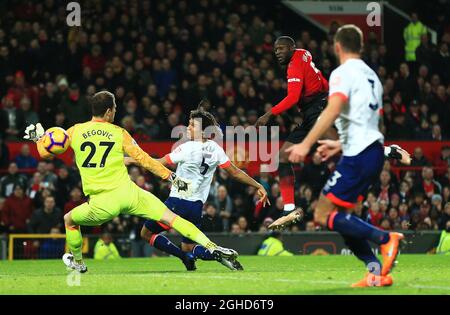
x=307, y=88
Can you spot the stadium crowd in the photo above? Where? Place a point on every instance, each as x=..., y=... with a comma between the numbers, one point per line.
x=160, y=59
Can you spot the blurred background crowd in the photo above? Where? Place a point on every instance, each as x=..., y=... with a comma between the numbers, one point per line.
x=160, y=58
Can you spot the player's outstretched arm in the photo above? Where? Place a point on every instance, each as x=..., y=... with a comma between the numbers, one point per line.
x=130, y=161
x=130, y=147
x=36, y=134
x=242, y=177
x=141, y=158
x=395, y=152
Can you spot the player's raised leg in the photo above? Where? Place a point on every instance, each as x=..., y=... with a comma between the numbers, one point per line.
x=354, y=231
x=74, y=240
x=287, y=178
x=151, y=233
x=148, y=206
x=101, y=208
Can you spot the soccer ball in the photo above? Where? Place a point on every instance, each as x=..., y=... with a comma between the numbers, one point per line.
x=56, y=140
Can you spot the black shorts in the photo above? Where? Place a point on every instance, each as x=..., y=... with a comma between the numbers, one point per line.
x=310, y=113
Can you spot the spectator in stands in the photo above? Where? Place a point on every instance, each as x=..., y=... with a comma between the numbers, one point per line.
x=444, y=157
x=411, y=35
x=446, y=194
x=418, y=159
x=13, y=121
x=224, y=205
x=384, y=189
x=95, y=61
x=46, y=168
x=48, y=106
x=150, y=126
x=105, y=249
x=235, y=229
x=385, y=224
x=273, y=246
x=17, y=210
x=425, y=52
x=63, y=186
x=404, y=191
x=310, y=226
x=406, y=84
x=394, y=219
x=243, y=224
x=403, y=212
x=374, y=214
x=25, y=159
x=399, y=129
x=4, y=154
x=75, y=107
x=76, y=199
x=424, y=131
x=445, y=218
x=436, y=133
x=20, y=89
x=46, y=218
x=428, y=184
x=445, y=179
x=30, y=116
x=413, y=117
x=9, y=181
x=443, y=62
x=443, y=247
x=211, y=221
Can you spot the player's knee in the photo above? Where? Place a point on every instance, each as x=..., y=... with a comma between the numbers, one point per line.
x=146, y=234
x=68, y=220
x=187, y=247
x=321, y=218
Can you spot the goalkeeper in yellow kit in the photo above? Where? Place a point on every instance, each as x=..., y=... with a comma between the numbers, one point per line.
x=99, y=148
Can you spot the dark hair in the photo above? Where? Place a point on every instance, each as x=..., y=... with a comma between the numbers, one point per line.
x=100, y=102
x=350, y=37
x=206, y=117
x=286, y=40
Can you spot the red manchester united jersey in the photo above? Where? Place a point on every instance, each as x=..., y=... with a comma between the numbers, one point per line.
x=304, y=80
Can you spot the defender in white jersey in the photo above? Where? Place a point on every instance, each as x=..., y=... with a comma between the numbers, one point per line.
x=354, y=103
x=197, y=160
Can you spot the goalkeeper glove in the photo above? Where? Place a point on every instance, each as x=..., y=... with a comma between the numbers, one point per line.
x=392, y=152
x=34, y=132
x=182, y=186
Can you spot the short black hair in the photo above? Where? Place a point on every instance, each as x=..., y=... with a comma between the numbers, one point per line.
x=206, y=117
x=286, y=40
x=350, y=37
x=100, y=102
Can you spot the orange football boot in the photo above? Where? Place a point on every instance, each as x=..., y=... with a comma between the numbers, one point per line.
x=389, y=251
x=371, y=280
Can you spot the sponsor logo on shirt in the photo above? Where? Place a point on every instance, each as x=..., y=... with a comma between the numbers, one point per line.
x=294, y=80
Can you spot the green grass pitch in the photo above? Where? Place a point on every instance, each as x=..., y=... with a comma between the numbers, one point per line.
x=415, y=274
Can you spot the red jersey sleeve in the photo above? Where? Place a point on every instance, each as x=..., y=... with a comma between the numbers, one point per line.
x=295, y=81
